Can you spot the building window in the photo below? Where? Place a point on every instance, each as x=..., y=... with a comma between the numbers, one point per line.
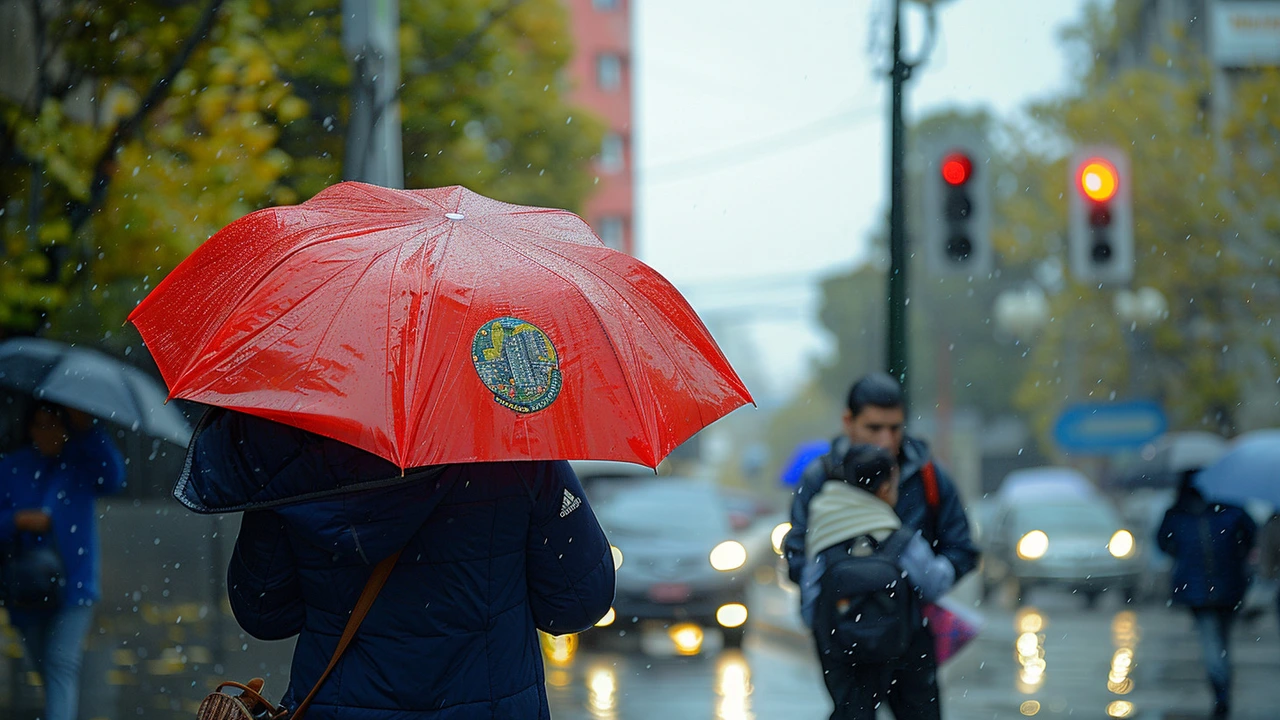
x=608, y=72
x=613, y=232
x=605, y=4
x=611, y=153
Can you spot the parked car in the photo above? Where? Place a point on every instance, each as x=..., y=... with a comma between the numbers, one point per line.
x=679, y=559
x=1077, y=543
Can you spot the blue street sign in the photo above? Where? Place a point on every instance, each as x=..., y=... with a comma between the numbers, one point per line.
x=1101, y=428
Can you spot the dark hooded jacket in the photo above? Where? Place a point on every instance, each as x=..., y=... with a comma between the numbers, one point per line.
x=1210, y=545
x=491, y=553
x=946, y=528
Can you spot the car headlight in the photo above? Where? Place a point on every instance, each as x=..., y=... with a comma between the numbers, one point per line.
x=778, y=535
x=1033, y=545
x=1121, y=545
x=728, y=555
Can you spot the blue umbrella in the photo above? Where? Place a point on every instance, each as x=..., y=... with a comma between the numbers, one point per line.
x=804, y=454
x=1249, y=471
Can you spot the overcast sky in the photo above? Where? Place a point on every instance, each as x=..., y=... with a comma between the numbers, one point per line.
x=762, y=144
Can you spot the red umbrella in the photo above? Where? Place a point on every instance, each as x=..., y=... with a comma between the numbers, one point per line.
x=438, y=326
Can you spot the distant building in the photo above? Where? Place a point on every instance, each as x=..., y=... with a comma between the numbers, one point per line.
x=1238, y=39
x=601, y=72
x=1237, y=36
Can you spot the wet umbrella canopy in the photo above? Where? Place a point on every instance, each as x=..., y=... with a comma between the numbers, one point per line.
x=438, y=326
x=1249, y=471
x=89, y=381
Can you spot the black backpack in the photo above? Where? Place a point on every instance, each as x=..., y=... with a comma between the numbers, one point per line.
x=866, y=611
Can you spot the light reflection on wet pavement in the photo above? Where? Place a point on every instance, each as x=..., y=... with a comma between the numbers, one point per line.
x=1049, y=659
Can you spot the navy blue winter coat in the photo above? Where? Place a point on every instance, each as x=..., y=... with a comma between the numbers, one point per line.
x=1210, y=547
x=491, y=552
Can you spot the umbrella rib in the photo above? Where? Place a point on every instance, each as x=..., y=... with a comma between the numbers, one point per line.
x=438, y=250
x=262, y=278
x=333, y=318
x=453, y=353
x=665, y=349
x=641, y=319
x=651, y=421
x=227, y=352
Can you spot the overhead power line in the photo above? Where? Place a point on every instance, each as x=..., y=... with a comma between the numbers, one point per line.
x=757, y=149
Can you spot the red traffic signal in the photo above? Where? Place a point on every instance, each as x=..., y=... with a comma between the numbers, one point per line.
x=957, y=168
x=1098, y=179
x=1100, y=215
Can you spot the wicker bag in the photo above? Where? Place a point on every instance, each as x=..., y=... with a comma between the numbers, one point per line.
x=249, y=704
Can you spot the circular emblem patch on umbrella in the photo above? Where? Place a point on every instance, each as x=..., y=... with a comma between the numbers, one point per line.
x=518, y=363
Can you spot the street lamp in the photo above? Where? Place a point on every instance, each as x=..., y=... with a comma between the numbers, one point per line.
x=1141, y=308
x=1022, y=312
x=897, y=301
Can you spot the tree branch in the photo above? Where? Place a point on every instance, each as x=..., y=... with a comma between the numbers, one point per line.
x=464, y=47
x=81, y=212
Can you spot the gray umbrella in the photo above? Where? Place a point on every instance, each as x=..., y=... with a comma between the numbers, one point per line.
x=1164, y=460
x=87, y=380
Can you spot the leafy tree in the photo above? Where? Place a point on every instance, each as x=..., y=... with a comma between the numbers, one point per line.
x=1206, y=236
x=153, y=124
x=1207, y=233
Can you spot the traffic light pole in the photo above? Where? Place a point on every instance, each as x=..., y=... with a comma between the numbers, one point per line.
x=897, y=303
x=897, y=300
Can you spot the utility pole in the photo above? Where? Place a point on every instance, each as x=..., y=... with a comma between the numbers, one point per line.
x=897, y=301
x=370, y=38
x=897, y=336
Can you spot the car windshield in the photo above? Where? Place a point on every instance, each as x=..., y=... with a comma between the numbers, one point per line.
x=660, y=508
x=1086, y=517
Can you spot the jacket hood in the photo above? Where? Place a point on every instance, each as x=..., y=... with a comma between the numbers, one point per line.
x=914, y=455
x=337, y=494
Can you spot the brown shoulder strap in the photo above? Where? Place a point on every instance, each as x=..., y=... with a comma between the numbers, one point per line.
x=371, y=589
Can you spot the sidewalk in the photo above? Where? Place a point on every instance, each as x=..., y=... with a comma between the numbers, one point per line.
x=1168, y=679
x=775, y=610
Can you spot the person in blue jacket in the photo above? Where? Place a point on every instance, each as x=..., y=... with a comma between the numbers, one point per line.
x=492, y=552
x=48, y=490
x=1210, y=545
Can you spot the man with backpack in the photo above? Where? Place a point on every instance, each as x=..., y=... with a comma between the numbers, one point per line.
x=872, y=576
x=927, y=500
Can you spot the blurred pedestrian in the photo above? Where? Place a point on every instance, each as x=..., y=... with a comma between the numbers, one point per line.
x=1210, y=545
x=1269, y=556
x=490, y=553
x=48, y=490
x=927, y=498
x=868, y=628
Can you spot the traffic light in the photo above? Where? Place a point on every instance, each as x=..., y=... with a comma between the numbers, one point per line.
x=957, y=207
x=1100, y=216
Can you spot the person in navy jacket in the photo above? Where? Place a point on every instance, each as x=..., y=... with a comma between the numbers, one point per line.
x=48, y=493
x=1210, y=545
x=492, y=552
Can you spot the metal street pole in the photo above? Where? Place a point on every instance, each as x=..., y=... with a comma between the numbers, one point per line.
x=897, y=302
x=897, y=349
x=370, y=37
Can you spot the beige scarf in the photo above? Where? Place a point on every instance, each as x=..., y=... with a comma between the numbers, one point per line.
x=840, y=512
